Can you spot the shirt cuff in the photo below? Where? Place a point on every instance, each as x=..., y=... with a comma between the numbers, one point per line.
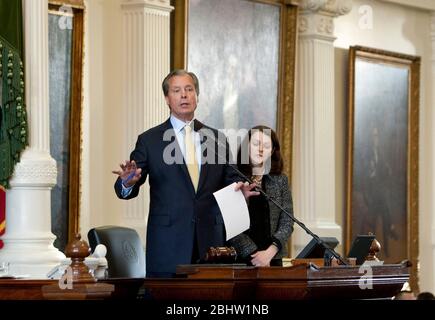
x=125, y=192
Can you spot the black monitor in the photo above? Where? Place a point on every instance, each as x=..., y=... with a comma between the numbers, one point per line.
x=315, y=250
x=360, y=248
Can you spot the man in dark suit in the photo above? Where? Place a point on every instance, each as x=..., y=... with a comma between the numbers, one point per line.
x=184, y=218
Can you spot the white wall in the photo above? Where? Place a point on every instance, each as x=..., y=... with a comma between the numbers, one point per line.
x=103, y=114
x=405, y=30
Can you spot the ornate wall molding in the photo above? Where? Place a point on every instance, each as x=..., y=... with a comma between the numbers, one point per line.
x=316, y=17
x=312, y=5
x=316, y=25
x=161, y=6
x=338, y=7
x=329, y=7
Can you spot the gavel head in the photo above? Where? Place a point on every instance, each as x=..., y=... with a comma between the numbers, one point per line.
x=221, y=255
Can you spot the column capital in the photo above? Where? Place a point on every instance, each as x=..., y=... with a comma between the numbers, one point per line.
x=161, y=5
x=316, y=17
x=333, y=8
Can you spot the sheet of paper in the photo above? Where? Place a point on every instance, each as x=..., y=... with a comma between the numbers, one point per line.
x=234, y=210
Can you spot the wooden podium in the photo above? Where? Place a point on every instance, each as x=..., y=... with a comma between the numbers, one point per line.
x=303, y=281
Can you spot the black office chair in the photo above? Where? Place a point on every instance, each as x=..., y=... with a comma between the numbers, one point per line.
x=125, y=253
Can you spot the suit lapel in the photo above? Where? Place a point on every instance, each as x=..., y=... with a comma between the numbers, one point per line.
x=204, y=165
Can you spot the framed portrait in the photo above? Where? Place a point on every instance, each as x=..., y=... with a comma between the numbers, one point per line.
x=66, y=34
x=243, y=52
x=382, y=186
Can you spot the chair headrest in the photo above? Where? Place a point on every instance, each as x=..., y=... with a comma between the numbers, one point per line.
x=125, y=253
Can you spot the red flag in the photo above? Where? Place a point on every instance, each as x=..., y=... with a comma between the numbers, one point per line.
x=2, y=213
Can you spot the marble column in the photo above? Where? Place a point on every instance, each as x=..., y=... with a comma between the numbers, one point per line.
x=314, y=186
x=146, y=43
x=28, y=239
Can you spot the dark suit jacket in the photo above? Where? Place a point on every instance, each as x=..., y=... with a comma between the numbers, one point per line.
x=281, y=226
x=176, y=212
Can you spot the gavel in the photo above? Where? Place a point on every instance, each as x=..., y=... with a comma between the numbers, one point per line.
x=220, y=255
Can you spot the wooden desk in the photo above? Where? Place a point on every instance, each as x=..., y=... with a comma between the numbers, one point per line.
x=17, y=289
x=205, y=283
x=21, y=289
x=309, y=282
x=304, y=281
x=196, y=282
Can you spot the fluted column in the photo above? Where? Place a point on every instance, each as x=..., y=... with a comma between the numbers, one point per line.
x=28, y=239
x=146, y=25
x=314, y=188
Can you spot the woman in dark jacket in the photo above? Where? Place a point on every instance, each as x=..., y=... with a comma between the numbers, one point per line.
x=265, y=242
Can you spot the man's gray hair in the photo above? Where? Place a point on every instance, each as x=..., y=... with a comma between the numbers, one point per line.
x=179, y=72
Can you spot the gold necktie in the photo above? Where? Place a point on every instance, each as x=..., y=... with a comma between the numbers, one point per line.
x=190, y=156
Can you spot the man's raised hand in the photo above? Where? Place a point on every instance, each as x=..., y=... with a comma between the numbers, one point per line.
x=129, y=173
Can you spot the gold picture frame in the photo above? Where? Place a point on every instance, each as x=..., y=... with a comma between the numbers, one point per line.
x=382, y=168
x=288, y=12
x=74, y=9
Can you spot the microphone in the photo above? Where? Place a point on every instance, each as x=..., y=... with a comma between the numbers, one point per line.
x=331, y=251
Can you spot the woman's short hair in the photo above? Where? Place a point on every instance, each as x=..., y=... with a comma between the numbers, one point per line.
x=276, y=165
x=179, y=72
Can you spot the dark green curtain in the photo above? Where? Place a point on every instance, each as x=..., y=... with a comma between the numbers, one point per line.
x=13, y=118
x=11, y=23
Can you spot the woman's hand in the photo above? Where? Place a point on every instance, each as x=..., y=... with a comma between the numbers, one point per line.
x=263, y=258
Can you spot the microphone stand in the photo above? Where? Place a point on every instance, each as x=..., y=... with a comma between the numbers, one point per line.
x=270, y=198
